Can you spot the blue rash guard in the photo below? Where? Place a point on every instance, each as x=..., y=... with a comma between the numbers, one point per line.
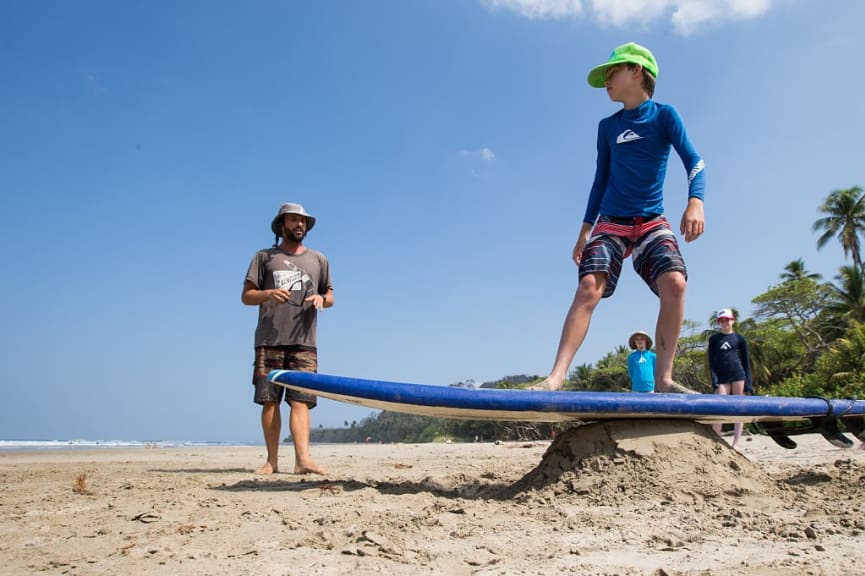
x=641, y=369
x=633, y=148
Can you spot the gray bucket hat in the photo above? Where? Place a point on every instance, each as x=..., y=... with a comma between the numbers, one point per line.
x=633, y=345
x=289, y=208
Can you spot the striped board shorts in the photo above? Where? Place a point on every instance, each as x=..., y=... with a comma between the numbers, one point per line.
x=269, y=358
x=651, y=241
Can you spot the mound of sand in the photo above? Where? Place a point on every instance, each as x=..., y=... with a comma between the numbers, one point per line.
x=623, y=460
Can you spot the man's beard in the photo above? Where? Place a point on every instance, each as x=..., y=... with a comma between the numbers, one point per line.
x=294, y=235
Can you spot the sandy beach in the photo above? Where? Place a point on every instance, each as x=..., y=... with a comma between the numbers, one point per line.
x=630, y=498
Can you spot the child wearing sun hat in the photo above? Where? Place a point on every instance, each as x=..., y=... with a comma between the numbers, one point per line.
x=641, y=362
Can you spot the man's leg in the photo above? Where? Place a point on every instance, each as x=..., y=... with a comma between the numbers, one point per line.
x=589, y=293
x=298, y=423
x=271, y=423
x=671, y=291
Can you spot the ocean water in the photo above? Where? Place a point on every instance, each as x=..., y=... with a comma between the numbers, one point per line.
x=12, y=445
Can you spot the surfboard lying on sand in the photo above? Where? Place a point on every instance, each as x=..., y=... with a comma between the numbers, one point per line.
x=772, y=413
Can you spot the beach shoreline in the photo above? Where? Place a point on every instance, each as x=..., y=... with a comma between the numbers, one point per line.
x=436, y=509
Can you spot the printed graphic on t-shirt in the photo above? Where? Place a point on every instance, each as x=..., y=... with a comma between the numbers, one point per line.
x=295, y=281
x=627, y=136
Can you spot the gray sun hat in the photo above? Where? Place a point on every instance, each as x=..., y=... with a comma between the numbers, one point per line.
x=289, y=208
x=633, y=345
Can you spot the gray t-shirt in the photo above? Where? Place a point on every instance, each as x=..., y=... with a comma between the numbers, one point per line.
x=294, y=322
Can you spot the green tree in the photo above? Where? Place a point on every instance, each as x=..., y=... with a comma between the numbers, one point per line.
x=761, y=371
x=795, y=270
x=840, y=372
x=844, y=218
x=611, y=372
x=798, y=305
x=848, y=296
x=579, y=377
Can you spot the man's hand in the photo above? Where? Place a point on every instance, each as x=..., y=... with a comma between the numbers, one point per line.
x=316, y=300
x=278, y=295
x=693, y=221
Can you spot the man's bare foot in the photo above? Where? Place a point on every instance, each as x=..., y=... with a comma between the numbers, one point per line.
x=268, y=468
x=309, y=468
x=548, y=384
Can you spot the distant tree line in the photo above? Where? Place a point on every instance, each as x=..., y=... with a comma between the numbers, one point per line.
x=806, y=338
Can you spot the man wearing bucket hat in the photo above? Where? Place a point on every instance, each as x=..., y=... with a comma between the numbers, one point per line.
x=289, y=283
x=729, y=363
x=625, y=212
x=641, y=362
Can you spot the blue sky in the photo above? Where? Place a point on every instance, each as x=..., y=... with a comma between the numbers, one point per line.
x=446, y=148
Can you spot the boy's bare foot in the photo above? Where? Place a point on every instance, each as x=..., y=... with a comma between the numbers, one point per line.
x=309, y=468
x=267, y=468
x=548, y=384
x=674, y=387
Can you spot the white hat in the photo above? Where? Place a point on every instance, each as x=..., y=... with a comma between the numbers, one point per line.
x=633, y=344
x=289, y=208
x=725, y=313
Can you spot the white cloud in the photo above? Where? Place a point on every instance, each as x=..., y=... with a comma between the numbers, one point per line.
x=623, y=12
x=538, y=9
x=686, y=16
x=485, y=154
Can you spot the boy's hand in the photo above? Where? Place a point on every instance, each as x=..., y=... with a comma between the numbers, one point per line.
x=692, y=220
x=582, y=240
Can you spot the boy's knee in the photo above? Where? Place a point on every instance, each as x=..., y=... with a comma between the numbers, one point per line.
x=672, y=284
x=591, y=287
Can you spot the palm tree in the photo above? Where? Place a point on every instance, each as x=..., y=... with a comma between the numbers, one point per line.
x=839, y=370
x=848, y=295
x=580, y=376
x=795, y=270
x=844, y=211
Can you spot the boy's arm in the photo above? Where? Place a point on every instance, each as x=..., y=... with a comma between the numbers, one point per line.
x=693, y=219
x=602, y=175
x=599, y=186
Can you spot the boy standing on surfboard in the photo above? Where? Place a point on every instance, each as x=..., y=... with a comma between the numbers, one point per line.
x=289, y=283
x=625, y=213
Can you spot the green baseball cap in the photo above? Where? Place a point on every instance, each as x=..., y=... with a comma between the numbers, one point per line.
x=630, y=52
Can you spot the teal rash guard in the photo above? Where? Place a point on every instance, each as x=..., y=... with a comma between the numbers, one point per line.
x=633, y=148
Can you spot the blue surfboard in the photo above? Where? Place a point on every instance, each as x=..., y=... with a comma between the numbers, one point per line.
x=544, y=406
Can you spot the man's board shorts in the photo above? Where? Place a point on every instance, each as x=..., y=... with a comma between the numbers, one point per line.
x=649, y=238
x=269, y=358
